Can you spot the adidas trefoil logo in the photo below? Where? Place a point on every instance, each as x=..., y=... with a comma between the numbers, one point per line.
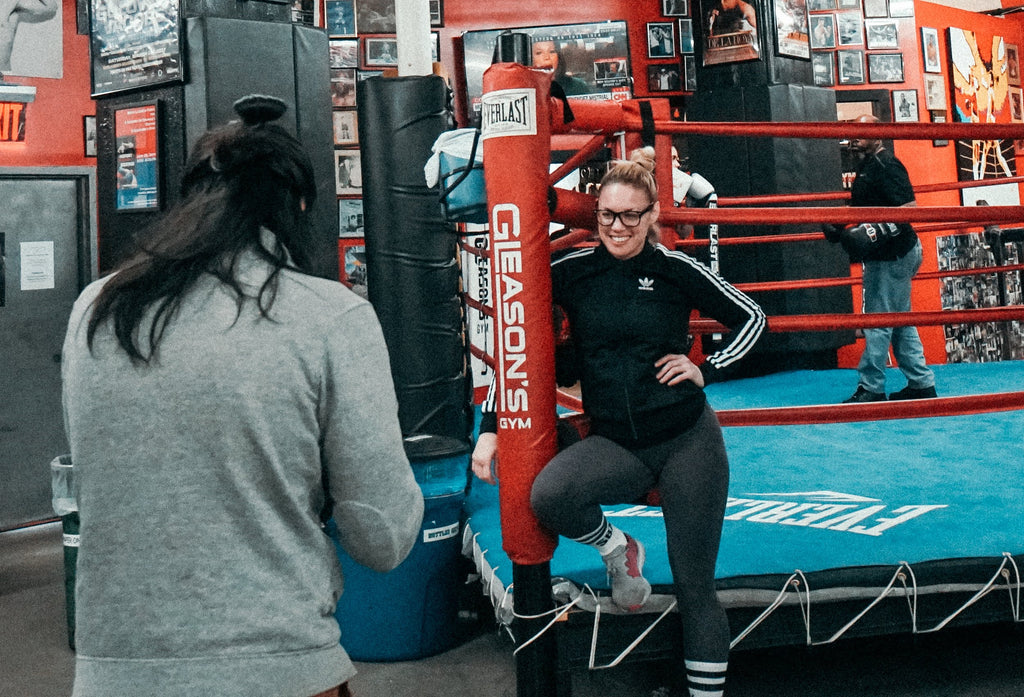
x=646, y=284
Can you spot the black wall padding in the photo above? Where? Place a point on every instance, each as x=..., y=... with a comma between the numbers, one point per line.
x=411, y=252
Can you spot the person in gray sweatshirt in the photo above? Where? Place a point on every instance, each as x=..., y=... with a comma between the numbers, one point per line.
x=221, y=402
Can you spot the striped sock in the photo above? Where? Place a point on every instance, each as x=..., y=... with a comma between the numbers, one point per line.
x=706, y=679
x=605, y=537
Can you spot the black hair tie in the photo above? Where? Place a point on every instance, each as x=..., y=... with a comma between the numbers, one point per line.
x=257, y=109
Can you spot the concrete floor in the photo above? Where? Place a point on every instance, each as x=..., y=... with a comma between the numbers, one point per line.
x=35, y=660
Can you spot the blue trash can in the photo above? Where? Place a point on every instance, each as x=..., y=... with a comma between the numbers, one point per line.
x=412, y=611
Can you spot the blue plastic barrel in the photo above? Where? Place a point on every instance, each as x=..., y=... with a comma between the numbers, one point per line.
x=412, y=611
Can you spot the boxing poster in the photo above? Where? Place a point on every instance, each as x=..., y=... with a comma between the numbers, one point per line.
x=134, y=44
x=730, y=31
x=136, y=150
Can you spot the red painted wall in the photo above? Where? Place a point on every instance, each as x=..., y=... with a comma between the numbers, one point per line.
x=53, y=131
x=926, y=163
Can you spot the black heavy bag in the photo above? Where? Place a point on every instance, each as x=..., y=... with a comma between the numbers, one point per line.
x=411, y=252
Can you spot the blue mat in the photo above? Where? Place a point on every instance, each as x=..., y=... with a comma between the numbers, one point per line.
x=836, y=496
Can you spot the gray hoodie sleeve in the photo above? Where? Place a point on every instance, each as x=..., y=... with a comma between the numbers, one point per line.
x=378, y=506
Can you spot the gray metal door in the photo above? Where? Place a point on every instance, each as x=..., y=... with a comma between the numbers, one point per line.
x=46, y=242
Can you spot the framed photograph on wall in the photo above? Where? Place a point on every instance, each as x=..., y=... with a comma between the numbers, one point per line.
x=849, y=5
x=850, y=28
x=1012, y=65
x=823, y=31
x=876, y=8
x=148, y=55
x=663, y=77
x=675, y=8
x=436, y=9
x=686, y=36
x=820, y=5
x=340, y=17
x=881, y=33
x=904, y=106
x=350, y=217
x=885, y=67
x=791, y=29
x=379, y=51
x=1016, y=105
x=348, y=175
x=137, y=157
x=823, y=64
x=89, y=135
x=901, y=8
x=343, y=87
x=343, y=53
x=850, y=66
x=661, y=40
x=690, y=73
x=346, y=129
x=930, y=50
x=934, y=92
x=939, y=117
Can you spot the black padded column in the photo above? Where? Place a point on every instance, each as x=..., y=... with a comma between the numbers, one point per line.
x=411, y=252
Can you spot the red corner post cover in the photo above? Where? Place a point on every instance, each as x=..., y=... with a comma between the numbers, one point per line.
x=516, y=133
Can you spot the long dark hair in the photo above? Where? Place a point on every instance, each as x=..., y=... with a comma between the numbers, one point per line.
x=239, y=178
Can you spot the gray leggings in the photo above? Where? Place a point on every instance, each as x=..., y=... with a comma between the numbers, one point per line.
x=691, y=473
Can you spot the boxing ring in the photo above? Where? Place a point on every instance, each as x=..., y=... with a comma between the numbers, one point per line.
x=843, y=520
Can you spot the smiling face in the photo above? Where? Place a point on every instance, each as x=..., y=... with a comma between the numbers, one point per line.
x=544, y=55
x=621, y=241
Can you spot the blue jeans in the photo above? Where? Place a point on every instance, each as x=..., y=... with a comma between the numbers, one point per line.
x=887, y=289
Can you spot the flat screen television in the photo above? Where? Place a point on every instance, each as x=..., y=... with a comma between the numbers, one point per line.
x=592, y=59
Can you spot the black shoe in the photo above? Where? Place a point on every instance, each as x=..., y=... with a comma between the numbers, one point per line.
x=909, y=392
x=864, y=395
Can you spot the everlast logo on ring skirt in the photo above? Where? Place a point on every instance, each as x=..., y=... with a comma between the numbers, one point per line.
x=508, y=268
x=511, y=112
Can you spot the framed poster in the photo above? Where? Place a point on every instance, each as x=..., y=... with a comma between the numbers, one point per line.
x=850, y=64
x=791, y=36
x=375, y=16
x=823, y=31
x=730, y=36
x=348, y=173
x=350, y=217
x=661, y=40
x=930, y=50
x=885, y=67
x=346, y=129
x=355, y=264
x=850, y=28
x=881, y=33
x=150, y=54
x=379, y=51
x=137, y=157
x=904, y=106
x=823, y=65
x=341, y=17
x=1016, y=105
x=935, y=93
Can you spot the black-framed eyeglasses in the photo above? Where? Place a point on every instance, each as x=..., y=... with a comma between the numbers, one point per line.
x=628, y=218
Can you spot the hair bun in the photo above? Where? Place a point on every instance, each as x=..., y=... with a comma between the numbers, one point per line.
x=256, y=109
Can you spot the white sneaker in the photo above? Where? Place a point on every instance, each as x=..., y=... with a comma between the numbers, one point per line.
x=625, y=565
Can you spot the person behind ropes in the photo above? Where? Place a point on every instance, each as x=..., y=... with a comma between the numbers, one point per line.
x=628, y=302
x=890, y=254
x=220, y=402
x=545, y=56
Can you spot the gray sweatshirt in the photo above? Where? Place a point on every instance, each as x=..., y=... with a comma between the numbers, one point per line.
x=203, y=568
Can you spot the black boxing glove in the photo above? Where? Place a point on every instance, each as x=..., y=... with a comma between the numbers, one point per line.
x=832, y=231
